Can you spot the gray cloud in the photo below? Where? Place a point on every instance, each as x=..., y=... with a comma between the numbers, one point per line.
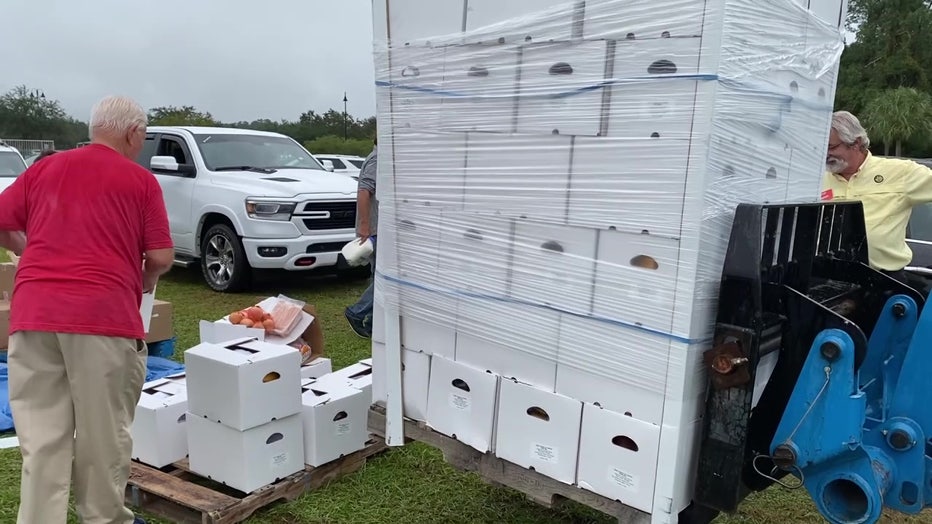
x=238, y=59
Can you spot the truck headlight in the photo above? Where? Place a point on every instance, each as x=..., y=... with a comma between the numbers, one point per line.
x=269, y=210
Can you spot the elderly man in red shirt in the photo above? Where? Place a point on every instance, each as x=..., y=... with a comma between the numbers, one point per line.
x=97, y=237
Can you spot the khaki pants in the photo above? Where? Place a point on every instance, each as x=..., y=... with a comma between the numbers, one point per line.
x=73, y=399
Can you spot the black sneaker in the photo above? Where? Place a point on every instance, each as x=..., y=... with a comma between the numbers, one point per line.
x=356, y=325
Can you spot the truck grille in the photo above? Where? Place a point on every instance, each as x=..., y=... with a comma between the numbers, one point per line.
x=328, y=215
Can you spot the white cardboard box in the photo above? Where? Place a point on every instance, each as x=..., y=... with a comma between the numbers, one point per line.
x=487, y=339
x=243, y=383
x=618, y=457
x=159, y=436
x=461, y=403
x=538, y=430
x=358, y=376
x=519, y=20
x=145, y=309
x=246, y=460
x=415, y=377
x=316, y=368
x=335, y=418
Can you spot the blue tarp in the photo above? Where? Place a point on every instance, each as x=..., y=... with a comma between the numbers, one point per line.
x=156, y=368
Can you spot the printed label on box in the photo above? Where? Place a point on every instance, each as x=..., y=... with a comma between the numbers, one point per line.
x=623, y=479
x=343, y=428
x=280, y=460
x=544, y=453
x=460, y=402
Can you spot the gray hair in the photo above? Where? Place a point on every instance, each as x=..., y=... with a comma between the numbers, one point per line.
x=849, y=129
x=115, y=115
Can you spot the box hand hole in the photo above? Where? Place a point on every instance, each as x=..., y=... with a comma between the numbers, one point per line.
x=662, y=67
x=478, y=71
x=460, y=384
x=274, y=437
x=339, y=416
x=473, y=234
x=561, y=68
x=625, y=442
x=271, y=377
x=538, y=413
x=645, y=262
x=182, y=418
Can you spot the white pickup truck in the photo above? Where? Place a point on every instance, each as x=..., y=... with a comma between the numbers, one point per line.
x=240, y=200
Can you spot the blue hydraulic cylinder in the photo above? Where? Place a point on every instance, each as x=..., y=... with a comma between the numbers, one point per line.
x=857, y=438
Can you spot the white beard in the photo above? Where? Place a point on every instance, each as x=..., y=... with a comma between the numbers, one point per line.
x=835, y=165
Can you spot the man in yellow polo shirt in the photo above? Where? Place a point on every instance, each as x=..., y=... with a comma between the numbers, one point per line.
x=887, y=187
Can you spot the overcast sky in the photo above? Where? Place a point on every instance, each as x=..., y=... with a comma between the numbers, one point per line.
x=237, y=59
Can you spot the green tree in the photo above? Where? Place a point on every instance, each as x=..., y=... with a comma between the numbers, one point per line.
x=892, y=50
x=180, y=116
x=899, y=115
x=28, y=113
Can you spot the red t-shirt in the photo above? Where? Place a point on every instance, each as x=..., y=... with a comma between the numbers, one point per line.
x=89, y=214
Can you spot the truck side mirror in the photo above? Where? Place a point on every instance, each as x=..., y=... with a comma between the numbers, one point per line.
x=164, y=163
x=328, y=165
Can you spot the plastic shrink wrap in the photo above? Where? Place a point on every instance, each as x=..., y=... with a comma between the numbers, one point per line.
x=557, y=181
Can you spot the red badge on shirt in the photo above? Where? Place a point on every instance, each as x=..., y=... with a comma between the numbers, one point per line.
x=828, y=194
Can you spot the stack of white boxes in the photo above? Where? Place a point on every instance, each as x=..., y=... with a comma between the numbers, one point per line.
x=557, y=181
x=159, y=429
x=244, y=422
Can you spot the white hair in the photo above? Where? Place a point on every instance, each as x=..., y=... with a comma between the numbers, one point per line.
x=115, y=115
x=849, y=129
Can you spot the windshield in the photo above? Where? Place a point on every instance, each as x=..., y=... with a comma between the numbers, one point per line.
x=357, y=163
x=223, y=152
x=11, y=165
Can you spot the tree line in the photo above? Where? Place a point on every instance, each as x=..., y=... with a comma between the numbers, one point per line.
x=885, y=77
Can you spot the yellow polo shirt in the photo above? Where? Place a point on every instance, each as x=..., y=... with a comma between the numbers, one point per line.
x=888, y=188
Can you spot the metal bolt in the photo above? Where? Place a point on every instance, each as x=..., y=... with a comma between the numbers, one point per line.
x=784, y=457
x=830, y=351
x=724, y=364
x=899, y=310
x=900, y=440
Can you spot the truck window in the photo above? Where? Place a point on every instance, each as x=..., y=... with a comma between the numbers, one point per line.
x=337, y=163
x=174, y=147
x=226, y=150
x=920, y=223
x=148, y=151
x=11, y=164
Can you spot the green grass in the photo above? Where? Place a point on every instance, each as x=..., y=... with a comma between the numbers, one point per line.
x=409, y=484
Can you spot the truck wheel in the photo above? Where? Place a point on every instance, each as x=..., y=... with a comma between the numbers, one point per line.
x=223, y=261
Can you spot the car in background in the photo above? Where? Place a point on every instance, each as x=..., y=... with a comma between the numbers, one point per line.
x=344, y=164
x=12, y=165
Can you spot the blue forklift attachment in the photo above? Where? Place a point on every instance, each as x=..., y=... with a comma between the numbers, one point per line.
x=817, y=370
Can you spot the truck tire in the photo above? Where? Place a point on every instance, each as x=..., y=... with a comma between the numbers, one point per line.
x=223, y=260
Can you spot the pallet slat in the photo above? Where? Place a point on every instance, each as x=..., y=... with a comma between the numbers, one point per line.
x=174, y=496
x=493, y=470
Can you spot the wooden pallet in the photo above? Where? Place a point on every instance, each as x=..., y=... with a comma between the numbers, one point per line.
x=179, y=495
x=539, y=488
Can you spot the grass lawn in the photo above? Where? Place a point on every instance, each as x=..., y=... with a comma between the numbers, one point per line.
x=409, y=484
